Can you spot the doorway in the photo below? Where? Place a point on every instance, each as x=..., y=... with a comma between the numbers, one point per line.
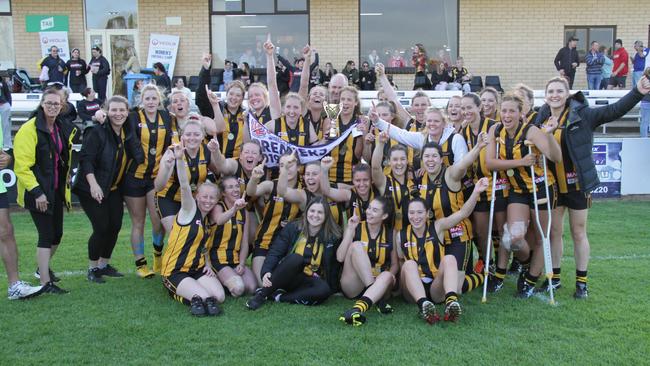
x=118, y=45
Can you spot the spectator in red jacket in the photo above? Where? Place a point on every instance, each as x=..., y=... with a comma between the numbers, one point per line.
x=620, y=68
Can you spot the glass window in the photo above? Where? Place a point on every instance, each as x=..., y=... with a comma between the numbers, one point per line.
x=292, y=5
x=5, y=6
x=7, y=52
x=240, y=37
x=604, y=35
x=114, y=14
x=226, y=5
x=259, y=6
x=433, y=23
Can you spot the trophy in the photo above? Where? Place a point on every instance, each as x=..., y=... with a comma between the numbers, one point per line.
x=332, y=111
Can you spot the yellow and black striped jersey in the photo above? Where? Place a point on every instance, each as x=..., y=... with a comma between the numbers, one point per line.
x=277, y=213
x=298, y=136
x=357, y=205
x=155, y=137
x=427, y=251
x=226, y=239
x=400, y=194
x=311, y=249
x=232, y=138
x=196, y=169
x=120, y=160
x=379, y=249
x=564, y=171
x=186, y=246
x=343, y=157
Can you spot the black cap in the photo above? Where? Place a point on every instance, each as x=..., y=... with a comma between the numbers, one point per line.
x=573, y=38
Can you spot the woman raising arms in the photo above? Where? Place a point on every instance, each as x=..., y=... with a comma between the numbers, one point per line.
x=185, y=268
x=369, y=261
x=514, y=137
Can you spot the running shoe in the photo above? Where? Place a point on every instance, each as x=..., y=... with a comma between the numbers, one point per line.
x=353, y=317
x=53, y=277
x=197, y=308
x=110, y=271
x=383, y=307
x=581, y=291
x=256, y=301
x=429, y=312
x=23, y=290
x=494, y=284
x=95, y=275
x=515, y=267
x=144, y=272
x=452, y=311
x=527, y=290
x=212, y=307
x=52, y=288
x=555, y=283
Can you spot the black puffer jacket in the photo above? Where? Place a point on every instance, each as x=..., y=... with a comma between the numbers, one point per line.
x=581, y=123
x=283, y=245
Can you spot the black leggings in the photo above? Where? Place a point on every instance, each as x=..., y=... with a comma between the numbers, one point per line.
x=301, y=289
x=106, y=219
x=49, y=227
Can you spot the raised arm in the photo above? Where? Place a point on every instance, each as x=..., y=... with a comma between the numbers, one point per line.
x=545, y=143
x=348, y=237
x=202, y=101
x=408, y=138
x=336, y=194
x=271, y=81
x=188, y=205
x=452, y=220
x=254, y=188
x=221, y=164
x=378, y=177
x=216, y=125
x=599, y=115
x=306, y=74
x=166, y=170
x=457, y=171
x=390, y=92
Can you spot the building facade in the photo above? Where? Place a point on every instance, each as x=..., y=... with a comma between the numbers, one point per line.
x=516, y=40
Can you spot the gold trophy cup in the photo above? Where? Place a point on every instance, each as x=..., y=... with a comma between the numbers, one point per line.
x=333, y=111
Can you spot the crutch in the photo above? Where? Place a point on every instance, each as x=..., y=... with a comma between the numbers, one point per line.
x=486, y=270
x=546, y=234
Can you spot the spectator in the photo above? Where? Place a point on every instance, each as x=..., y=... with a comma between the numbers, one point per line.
x=87, y=107
x=351, y=72
x=228, y=74
x=336, y=84
x=260, y=58
x=56, y=68
x=620, y=68
x=440, y=77
x=100, y=69
x=245, y=74
x=317, y=77
x=373, y=58
x=460, y=77
x=179, y=86
x=594, y=60
x=282, y=77
x=443, y=56
x=566, y=61
x=396, y=60
x=161, y=78
x=638, y=61
x=137, y=92
x=328, y=73
x=607, y=68
x=132, y=66
x=69, y=114
x=419, y=61
x=296, y=70
x=367, y=77
x=5, y=114
x=645, y=108
x=77, y=69
x=248, y=57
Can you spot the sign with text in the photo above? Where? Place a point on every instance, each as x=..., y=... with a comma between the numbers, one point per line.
x=58, y=39
x=46, y=23
x=607, y=158
x=163, y=48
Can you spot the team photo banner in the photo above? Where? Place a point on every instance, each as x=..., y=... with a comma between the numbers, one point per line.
x=273, y=146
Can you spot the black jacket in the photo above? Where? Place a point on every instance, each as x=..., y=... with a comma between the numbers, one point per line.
x=201, y=99
x=581, y=123
x=367, y=80
x=86, y=109
x=74, y=66
x=98, y=153
x=283, y=245
x=104, y=67
x=565, y=57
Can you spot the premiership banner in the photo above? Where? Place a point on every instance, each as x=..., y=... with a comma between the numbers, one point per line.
x=273, y=147
x=607, y=158
x=163, y=48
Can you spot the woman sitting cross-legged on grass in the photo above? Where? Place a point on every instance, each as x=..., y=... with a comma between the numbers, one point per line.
x=428, y=273
x=230, y=240
x=370, y=263
x=185, y=269
x=104, y=154
x=301, y=267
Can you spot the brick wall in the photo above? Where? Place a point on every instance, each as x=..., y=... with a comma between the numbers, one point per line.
x=518, y=40
x=27, y=45
x=334, y=31
x=194, y=31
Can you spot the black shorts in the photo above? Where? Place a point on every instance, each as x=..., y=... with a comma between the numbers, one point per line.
x=574, y=200
x=500, y=205
x=528, y=199
x=260, y=252
x=172, y=281
x=166, y=206
x=135, y=187
x=218, y=266
x=460, y=251
x=4, y=200
x=427, y=288
x=617, y=81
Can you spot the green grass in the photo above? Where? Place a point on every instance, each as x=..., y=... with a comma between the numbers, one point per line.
x=133, y=321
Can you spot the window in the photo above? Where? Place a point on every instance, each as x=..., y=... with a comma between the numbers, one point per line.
x=5, y=7
x=433, y=23
x=240, y=27
x=114, y=14
x=605, y=35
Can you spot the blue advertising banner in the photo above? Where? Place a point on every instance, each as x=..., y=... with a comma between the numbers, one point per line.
x=607, y=157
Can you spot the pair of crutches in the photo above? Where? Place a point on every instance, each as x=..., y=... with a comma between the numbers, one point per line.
x=545, y=234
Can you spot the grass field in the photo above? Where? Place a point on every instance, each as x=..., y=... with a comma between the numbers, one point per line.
x=133, y=321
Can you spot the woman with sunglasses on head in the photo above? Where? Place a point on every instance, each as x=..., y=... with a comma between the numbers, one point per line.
x=572, y=121
x=102, y=162
x=43, y=156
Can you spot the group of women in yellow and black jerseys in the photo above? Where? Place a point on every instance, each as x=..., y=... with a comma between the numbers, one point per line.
x=396, y=207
